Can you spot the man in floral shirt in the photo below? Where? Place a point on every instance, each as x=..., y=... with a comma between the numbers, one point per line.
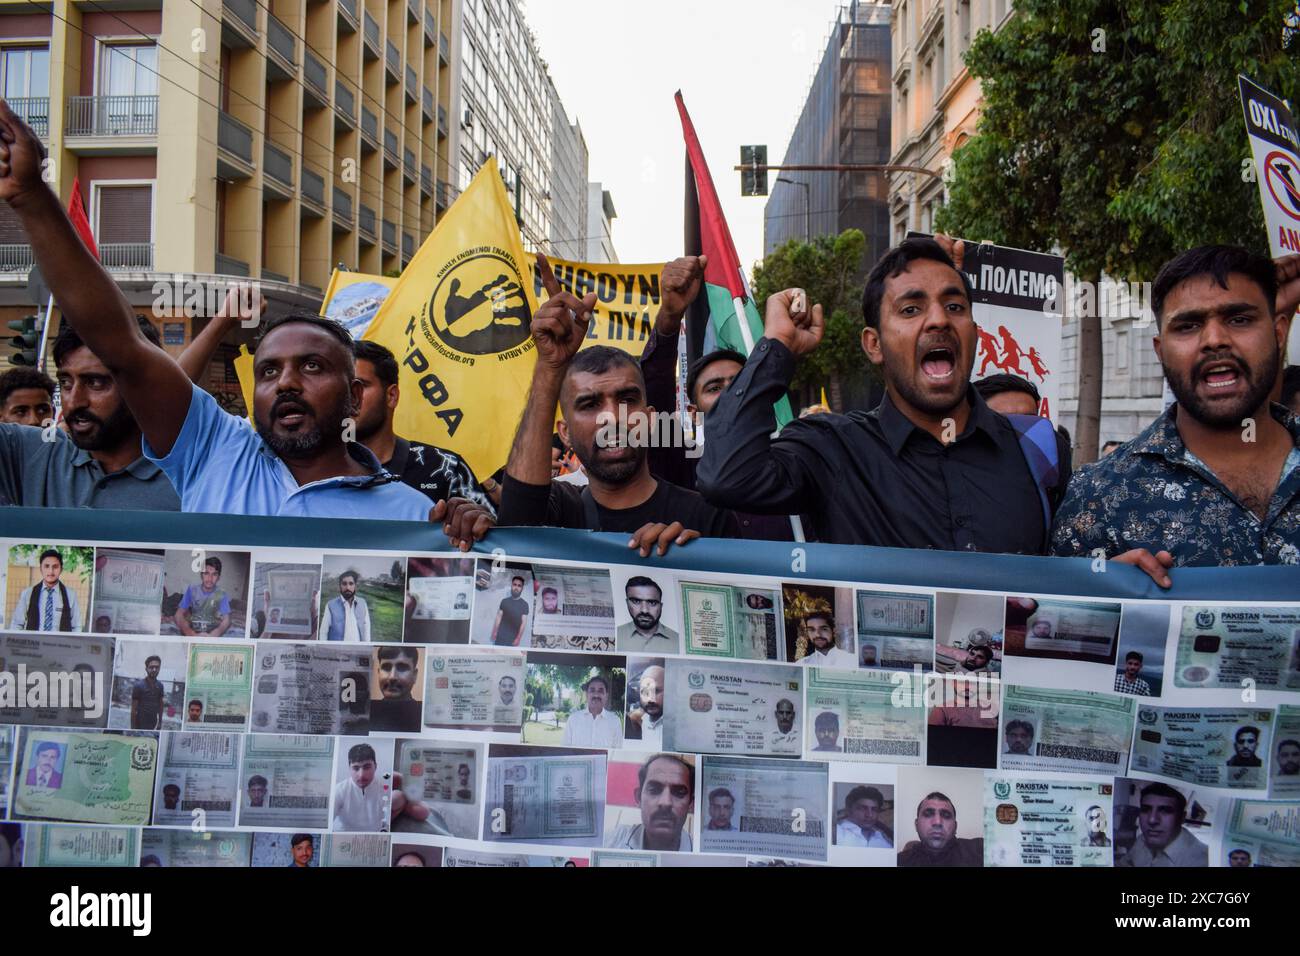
x=1215, y=480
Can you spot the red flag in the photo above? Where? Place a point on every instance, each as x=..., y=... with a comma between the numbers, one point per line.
x=77, y=213
x=723, y=269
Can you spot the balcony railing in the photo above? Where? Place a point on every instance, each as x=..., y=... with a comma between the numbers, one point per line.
x=426, y=180
x=408, y=245
x=314, y=72
x=442, y=121
x=281, y=40
x=348, y=13
x=430, y=29
x=234, y=137
x=409, y=171
x=345, y=102
x=369, y=129
x=390, y=147
x=35, y=111
x=16, y=258
x=112, y=116
x=230, y=266
x=426, y=104
x=366, y=221
x=277, y=164
x=245, y=11
x=390, y=235
x=342, y=205
x=442, y=195
x=412, y=84
x=313, y=187
x=443, y=48
x=370, y=33
x=137, y=256
x=393, y=61
x=270, y=276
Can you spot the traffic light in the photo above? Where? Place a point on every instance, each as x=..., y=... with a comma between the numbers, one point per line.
x=753, y=179
x=27, y=341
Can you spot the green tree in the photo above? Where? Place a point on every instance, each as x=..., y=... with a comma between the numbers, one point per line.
x=827, y=269
x=1114, y=133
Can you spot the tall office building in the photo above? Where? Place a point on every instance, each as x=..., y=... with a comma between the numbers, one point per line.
x=845, y=120
x=600, y=224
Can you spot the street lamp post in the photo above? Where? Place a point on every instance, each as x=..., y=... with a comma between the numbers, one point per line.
x=807, y=205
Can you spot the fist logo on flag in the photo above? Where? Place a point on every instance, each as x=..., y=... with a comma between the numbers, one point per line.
x=479, y=307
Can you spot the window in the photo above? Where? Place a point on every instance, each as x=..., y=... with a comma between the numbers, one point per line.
x=124, y=224
x=25, y=78
x=940, y=72
x=128, y=83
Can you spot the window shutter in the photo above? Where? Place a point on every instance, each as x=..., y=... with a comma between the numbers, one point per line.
x=125, y=214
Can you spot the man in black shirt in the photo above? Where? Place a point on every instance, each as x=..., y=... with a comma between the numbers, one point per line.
x=708, y=377
x=147, y=697
x=931, y=467
x=439, y=474
x=595, y=388
x=508, y=628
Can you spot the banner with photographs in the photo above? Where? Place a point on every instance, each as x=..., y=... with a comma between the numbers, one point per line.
x=187, y=690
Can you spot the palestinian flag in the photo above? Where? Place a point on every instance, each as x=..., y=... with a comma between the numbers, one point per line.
x=726, y=317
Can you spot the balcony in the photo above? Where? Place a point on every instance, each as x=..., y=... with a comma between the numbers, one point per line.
x=342, y=210
x=426, y=180
x=34, y=111
x=234, y=149
x=413, y=10
x=412, y=85
x=442, y=195
x=348, y=16
x=409, y=170
x=444, y=56
x=442, y=122
x=370, y=35
x=277, y=169
x=390, y=149
x=230, y=266
x=390, y=236
x=16, y=258
x=313, y=193
x=317, y=86
x=269, y=276
x=366, y=224
x=430, y=29
x=369, y=131
x=239, y=23
x=392, y=62
x=408, y=247
x=127, y=256
x=112, y=118
x=345, y=107
x=426, y=104
x=281, y=50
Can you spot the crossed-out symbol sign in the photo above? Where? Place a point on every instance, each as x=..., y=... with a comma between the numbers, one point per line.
x=1282, y=173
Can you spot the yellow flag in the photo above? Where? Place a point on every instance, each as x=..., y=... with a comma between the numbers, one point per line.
x=458, y=323
x=825, y=404
x=627, y=299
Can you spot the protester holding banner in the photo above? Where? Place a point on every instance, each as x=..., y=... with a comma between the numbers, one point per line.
x=1215, y=480
x=296, y=463
x=592, y=387
x=96, y=463
x=930, y=467
x=708, y=377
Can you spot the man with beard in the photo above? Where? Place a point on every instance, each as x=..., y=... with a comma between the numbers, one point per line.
x=822, y=652
x=785, y=739
x=438, y=474
x=96, y=463
x=1245, y=743
x=1215, y=480
x=930, y=467
x=645, y=633
x=399, y=667
x=1019, y=736
x=1288, y=758
x=148, y=697
x=346, y=617
x=296, y=462
x=937, y=843
x=646, y=723
x=595, y=388
x=665, y=795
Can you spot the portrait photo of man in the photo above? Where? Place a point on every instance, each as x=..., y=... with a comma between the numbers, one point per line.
x=721, y=806
x=303, y=849
x=49, y=604
x=1239, y=858
x=860, y=825
x=595, y=725
x=148, y=697
x=550, y=601
x=826, y=727
x=645, y=632
x=506, y=688
x=1163, y=839
x=205, y=607
x=785, y=739
x=645, y=721
x=256, y=790
x=1019, y=737
x=1095, y=822
x=822, y=652
x=1244, y=744
x=665, y=795
x=47, y=774
x=347, y=616
x=194, y=712
x=399, y=669
x=937, y=843
x=171, y=795
x=512, y=616
x=1127, y=680
x=1288, y=758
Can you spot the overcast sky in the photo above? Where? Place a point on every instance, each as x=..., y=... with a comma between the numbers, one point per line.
x=743, y=67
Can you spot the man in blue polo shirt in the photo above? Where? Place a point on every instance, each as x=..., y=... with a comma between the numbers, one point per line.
x=297, y=460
